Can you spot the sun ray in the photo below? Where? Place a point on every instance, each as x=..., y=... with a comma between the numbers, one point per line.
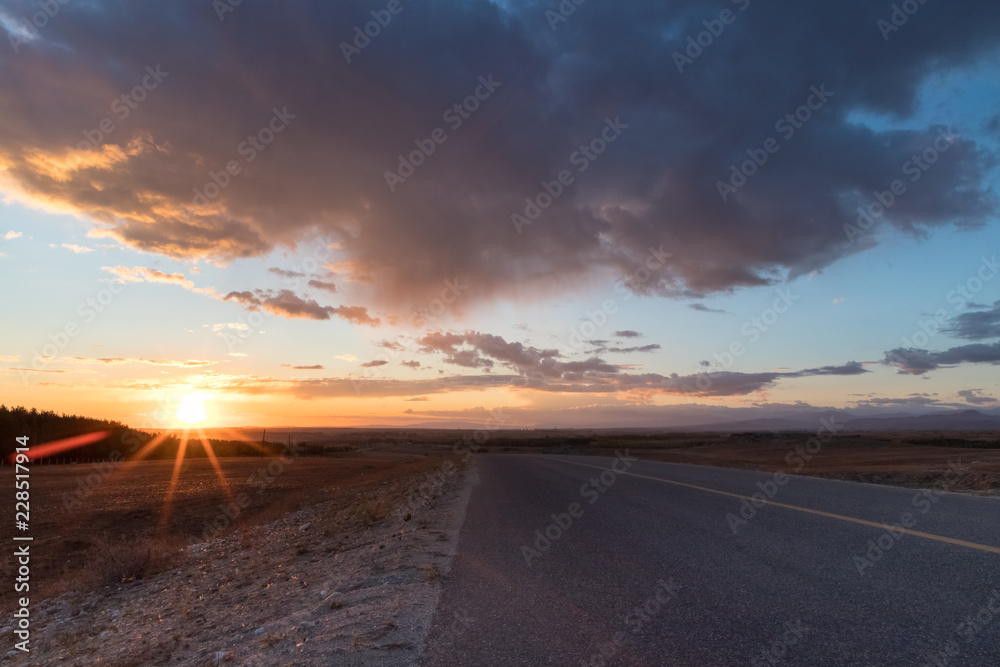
x=146, y=450
x=215, y=464
x=178, y=462
x=233, y=435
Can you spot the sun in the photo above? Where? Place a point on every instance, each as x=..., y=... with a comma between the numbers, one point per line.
x=191, y=409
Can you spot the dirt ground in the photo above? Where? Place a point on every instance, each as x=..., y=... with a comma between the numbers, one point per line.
x=82, y=514
x=351, y=577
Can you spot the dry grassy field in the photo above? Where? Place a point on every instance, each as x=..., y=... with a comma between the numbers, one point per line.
x=968, y=462
x=92, y=528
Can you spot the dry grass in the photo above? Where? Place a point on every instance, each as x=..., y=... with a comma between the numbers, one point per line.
x=371, y=512
x=272, y=638
x=119, y=560
x=123, y=509
x=913, y=460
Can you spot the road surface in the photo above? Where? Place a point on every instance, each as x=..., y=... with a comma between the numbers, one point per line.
x=600, y=561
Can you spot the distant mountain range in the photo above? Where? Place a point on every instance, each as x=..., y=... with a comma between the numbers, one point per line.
x=959, y=420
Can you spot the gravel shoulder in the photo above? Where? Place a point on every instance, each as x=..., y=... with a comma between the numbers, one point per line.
x=350, y=581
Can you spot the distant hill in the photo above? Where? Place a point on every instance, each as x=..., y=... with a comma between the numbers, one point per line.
x=961, y=420
x=965, y=420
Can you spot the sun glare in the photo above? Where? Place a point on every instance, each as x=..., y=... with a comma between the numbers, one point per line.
x=191, y=409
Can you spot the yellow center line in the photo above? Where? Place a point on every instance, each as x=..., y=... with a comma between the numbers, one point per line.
x=829, y=515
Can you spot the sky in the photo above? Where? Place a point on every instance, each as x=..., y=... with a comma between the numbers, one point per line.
x=521, y=213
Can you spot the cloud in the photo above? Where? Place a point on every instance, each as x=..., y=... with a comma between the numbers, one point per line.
x=319, y=284
x=914, y=361
x=410, y=364
x=628, y=334
x=139, y=274
x=907, y=401
x=287, y=304
x=655, y=187
x=546, y=370
x=974, y=397
x=346, y=357
x=703, y=308
x=286, y=274
x=37, y=370
x=374, y=364
x=12, y=235
x=601, y=346
x=190, y=363
x=581, y=380
x=317, y=367
x=629, y=350
x=79, y=250
x=977, y=325
x=850, y=368
x=358, y=315
x=222, y=327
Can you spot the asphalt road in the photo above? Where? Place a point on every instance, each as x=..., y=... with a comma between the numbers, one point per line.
x=653, y=571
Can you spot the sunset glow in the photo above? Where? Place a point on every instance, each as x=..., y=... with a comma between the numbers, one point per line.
x=510, y=233
x=191, y=409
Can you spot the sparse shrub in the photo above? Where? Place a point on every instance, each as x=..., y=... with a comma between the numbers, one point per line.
x=272, y=638
x=373, y=511
x=121, y=560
